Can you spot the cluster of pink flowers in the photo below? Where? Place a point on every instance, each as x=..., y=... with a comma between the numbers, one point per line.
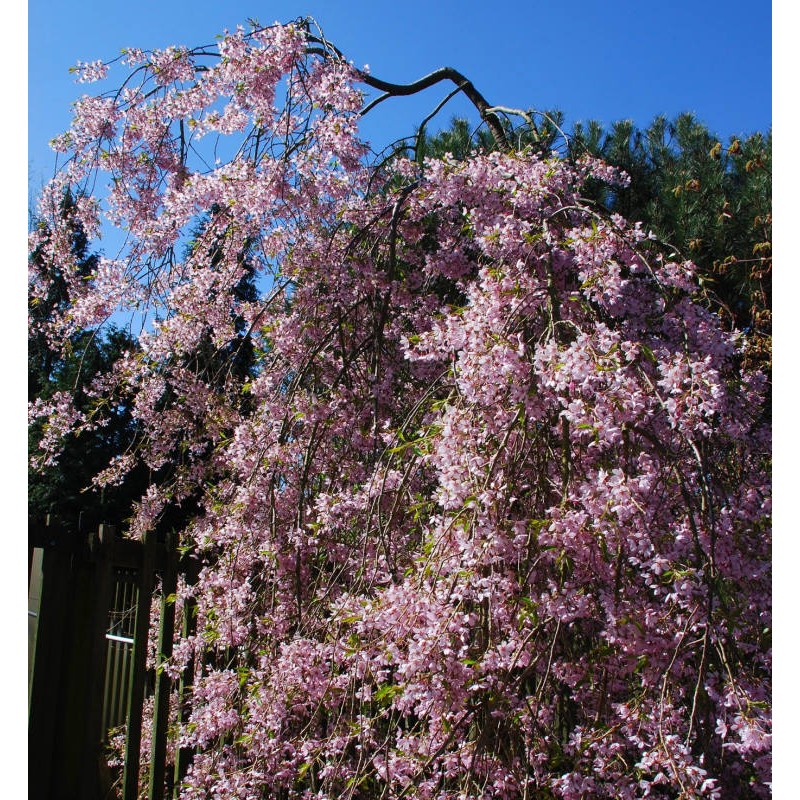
x=62, y=418
x=90, y=72
x=489, y=517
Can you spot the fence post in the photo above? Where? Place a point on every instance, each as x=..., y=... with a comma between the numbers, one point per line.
x=46, y=672
x=97, y=588
x=158, y=753
x=130, y=789
x=183, y=755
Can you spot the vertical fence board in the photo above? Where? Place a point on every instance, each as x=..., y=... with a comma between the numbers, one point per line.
x=108, y=693
x=79, y=733
x=45, y=679
x=183, y=755
x=130, y=789
x=98, y=590
x=163, y=682
x=119, y=639
x=34, y=608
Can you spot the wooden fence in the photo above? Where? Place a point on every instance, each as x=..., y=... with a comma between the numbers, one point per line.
x=89, y=602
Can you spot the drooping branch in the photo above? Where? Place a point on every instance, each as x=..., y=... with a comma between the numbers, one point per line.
x=443, y=74
x=486, y=111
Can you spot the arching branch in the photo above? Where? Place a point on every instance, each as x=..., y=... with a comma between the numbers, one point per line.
x=486, y=111
x=443, y=74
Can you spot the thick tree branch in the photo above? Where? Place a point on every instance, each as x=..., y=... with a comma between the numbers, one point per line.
x=328, y=50
x=443, y=74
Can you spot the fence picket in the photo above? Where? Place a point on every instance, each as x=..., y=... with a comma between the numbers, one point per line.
x=130, y=790
x=183, y=755
x=163, y=682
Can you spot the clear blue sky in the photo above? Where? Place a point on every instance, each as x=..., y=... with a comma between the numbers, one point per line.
x=594, y=60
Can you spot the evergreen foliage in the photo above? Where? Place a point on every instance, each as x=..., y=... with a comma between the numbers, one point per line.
x=64, y=489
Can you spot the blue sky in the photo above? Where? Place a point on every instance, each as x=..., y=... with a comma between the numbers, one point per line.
x=594, y=60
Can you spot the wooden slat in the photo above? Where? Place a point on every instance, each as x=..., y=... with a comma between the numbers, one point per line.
x=183, y=755
x=97, y=586
x=118, y=665
x=109, y=683
x=46, y=674
x=163, y=683
x=112, y=663
x=34, y=609
x=130, y=789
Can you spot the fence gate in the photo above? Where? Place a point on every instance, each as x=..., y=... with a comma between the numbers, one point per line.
x=89, y=600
